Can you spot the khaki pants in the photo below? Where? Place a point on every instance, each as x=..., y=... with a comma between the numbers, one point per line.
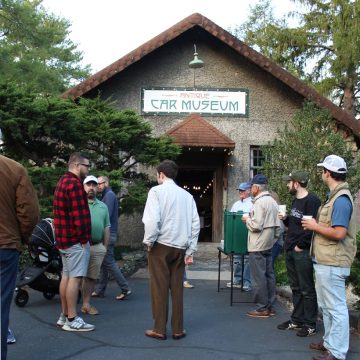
x=166, y=269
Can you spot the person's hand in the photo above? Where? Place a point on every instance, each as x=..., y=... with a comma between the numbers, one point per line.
x=282, y=216
x=309, y=224
x=189, y=260
x=297, y=249
x=245, y=217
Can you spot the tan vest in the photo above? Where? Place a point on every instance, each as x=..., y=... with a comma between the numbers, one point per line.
x=335, y=252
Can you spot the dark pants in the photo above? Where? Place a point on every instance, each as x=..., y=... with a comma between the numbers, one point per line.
x=301, y=279
x=166, y=270
x=9, y=260
x=262, y=279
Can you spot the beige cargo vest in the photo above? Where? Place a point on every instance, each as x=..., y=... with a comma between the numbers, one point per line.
x=334, y=252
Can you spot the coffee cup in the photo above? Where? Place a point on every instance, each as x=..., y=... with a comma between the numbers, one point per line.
x=282, y=210
x=307, y=217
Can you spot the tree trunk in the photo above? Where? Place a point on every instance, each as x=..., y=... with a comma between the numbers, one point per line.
x=349, y=100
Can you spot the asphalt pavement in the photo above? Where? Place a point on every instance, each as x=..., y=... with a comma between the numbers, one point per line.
x=215, y=329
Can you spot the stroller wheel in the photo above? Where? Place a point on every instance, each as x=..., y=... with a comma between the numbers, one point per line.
x=21, y=298
x=48, y=295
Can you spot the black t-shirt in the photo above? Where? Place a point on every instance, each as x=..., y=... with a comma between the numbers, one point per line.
x=296, y=235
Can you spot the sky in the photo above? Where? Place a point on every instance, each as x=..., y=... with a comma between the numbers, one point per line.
x=107, y=30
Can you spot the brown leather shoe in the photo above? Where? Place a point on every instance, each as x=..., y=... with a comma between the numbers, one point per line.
x=179, y=336
x=318, y=346
x=259, y=314
x=155, y=335
x=326, y=356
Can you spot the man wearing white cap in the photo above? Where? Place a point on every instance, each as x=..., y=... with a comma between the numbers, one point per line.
x=100, y=234
x=244, y=205
x=333, y=248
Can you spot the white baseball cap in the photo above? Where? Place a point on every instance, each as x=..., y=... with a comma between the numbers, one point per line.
x=91, y=178
x=334, y=163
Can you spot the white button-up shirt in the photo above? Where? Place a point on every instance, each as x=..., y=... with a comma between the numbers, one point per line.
x=171, y=218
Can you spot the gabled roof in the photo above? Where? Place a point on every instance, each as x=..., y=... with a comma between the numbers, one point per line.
x=196, y=131
x=201, y=21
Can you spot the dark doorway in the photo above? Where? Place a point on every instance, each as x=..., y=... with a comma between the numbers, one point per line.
x=200, y=183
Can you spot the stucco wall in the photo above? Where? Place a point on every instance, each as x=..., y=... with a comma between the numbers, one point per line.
x=271, y=103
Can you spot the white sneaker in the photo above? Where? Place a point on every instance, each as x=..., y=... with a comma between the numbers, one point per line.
x=187, y=285
x=78, y=324
x=62, y=320
x=238, y=286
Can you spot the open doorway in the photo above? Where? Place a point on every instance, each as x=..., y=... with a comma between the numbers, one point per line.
x=200, y=184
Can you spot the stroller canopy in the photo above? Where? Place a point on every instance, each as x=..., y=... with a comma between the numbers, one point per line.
x=43, y=235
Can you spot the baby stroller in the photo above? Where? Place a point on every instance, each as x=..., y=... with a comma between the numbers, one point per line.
x=45, y=272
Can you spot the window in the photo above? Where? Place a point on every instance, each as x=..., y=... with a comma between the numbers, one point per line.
x=256, y=160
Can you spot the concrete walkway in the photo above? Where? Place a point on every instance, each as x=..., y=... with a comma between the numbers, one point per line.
x=215, y=330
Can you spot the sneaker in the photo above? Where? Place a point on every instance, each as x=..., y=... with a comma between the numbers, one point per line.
x=62, y=320
x=10, y=337
x=235, y=285
x=78, y=324
x=306, y=331
x=187, y=285
x=246, y=288
x=123, y=295
x=288, y=325
x=258, y=313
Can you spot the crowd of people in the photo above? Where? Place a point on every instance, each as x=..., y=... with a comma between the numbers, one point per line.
x=319, y=239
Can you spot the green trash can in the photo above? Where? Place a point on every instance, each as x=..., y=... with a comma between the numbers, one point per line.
x=235, y=233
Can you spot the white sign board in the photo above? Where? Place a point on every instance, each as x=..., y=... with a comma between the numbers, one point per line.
x=217, y=102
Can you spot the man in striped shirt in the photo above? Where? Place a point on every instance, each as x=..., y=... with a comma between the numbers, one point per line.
x=73, y=236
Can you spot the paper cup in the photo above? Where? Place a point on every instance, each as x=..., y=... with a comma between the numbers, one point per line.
x=307, y=217
x=222, y=244
x=282, y=210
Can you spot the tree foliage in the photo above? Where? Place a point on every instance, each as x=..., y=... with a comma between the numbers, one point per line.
x=42, y=131
x=35, y=48
x=323, y=48
x=301, y=145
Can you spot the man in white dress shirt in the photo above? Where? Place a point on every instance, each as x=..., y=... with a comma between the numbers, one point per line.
x=172, y=228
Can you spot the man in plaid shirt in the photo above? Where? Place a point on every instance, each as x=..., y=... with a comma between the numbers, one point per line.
x=73, y=236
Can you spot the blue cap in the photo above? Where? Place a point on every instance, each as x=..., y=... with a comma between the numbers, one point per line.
x=259, y=180
x=244, y=186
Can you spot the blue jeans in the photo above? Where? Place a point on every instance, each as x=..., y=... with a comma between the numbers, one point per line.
x=238, y=271
x=331, y=295
x=109, y=265
x=275, y=252
x=263, y=279
x=9, y=260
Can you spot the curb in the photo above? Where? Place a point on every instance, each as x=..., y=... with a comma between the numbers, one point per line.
x=354, y=315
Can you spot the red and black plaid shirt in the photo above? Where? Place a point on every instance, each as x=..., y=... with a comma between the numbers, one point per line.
x=71, y=212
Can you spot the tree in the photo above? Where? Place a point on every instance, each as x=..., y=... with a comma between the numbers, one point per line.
x=35, y=48
x=42, y=131
x=323, y=49
x=304, y=142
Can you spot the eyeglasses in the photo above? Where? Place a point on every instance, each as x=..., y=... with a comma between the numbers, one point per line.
x=100, y=183
x=87, y=165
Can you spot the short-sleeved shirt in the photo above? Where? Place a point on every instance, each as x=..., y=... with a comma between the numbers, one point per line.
x=342, y=211
x=242, y=205
x=99, y=220
x=71, y=212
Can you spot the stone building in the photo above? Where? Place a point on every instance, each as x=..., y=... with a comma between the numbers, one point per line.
x=219, y=113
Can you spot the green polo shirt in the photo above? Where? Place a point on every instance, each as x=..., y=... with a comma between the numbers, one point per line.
x=99, y=220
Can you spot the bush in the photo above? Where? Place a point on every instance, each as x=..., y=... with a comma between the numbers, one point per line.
x=280, y=271
x=355, y=272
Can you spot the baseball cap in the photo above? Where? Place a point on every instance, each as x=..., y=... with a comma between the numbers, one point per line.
x=244, y=186
x=91, y=178
x=259, y=180
x=301, y=177
x=334, y=163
